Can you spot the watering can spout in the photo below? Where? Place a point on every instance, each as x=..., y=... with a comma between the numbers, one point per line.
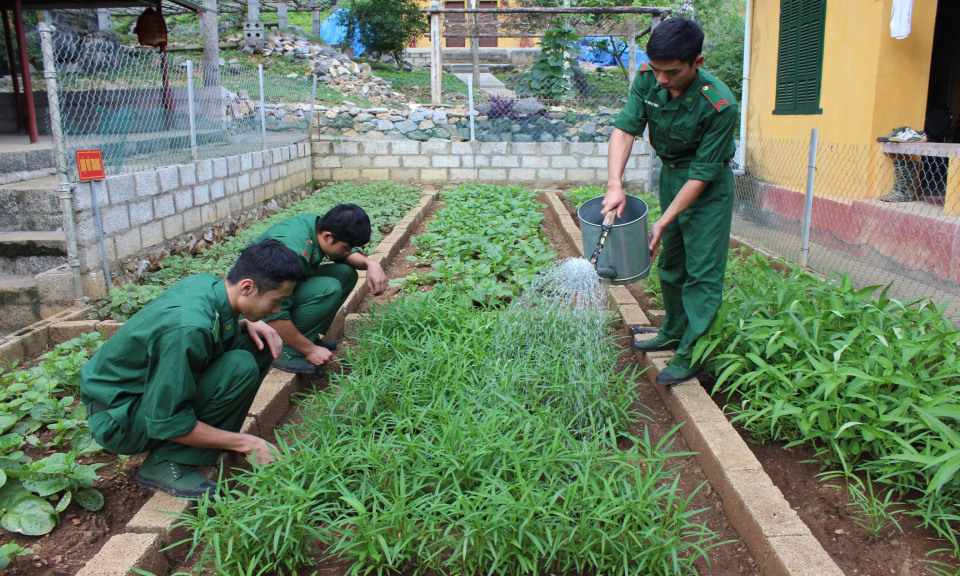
x=608, y=272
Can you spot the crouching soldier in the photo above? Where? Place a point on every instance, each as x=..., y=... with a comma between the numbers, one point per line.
x=178, y=378
x=327, y=249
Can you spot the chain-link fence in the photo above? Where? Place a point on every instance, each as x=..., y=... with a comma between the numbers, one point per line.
x=541, y=76
x=144, y=109
x=886, y=214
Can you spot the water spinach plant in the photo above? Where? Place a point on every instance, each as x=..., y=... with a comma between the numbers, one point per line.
x=870, y=381
x=467, y=439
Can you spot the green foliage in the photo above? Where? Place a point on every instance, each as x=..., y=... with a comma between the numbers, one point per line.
x=873, y=513
x=385, y=202
x=552, y=74
x=416, y=83
x=486, y=242
x=868, y=380
x=122, y=303
x=35, y=410
x=723, y=22
x=383, y=27
x=428, y=455
x=9, y=553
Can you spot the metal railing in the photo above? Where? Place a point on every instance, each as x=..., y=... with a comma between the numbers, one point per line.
x=884, y=213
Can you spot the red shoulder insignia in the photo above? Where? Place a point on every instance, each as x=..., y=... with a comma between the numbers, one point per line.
x=646, y=67
x=715, y=98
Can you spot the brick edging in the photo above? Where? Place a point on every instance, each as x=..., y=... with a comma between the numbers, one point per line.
x=778, y=538
x=149, y=531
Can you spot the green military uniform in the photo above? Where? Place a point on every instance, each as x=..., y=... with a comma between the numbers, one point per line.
x=693, y=136
x=178, y=361
x=315, y=301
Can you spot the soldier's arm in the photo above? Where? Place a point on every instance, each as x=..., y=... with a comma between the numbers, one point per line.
x=629, y=124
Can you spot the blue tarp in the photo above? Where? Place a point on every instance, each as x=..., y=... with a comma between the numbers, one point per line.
x=596, y=50
x=333, y=34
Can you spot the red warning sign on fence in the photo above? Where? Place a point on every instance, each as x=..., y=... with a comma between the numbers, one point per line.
x=90, y=165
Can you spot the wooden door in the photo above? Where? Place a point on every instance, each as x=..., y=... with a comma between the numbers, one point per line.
x=488, y=19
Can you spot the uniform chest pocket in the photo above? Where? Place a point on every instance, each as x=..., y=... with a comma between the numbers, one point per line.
x=680, y=138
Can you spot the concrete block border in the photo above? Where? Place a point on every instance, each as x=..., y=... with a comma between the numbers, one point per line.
x=779, y=539
x=149, y=531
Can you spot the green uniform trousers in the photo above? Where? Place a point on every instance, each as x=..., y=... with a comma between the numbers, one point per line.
x=315, y=301
x=693, y=259
x=225, y=391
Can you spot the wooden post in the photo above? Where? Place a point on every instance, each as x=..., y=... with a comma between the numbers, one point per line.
x=436, y=66
x=632, y=47
x=25, y=71
x=475, y=46
x=282, y=15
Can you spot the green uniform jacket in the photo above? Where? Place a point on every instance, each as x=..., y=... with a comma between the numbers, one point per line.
x=157, y=357
x=696, y=127
x=299, y=233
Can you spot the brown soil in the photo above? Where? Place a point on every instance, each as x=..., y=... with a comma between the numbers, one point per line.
x=826, y=511
x=82, y=533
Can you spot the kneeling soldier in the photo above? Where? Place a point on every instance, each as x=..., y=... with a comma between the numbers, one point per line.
x=327, y=247
x=177, y=379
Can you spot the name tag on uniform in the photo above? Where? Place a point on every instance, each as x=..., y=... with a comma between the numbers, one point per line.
x=654, y=104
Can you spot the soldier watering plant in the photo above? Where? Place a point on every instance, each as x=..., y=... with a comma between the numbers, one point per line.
x=178, y=378
x=691, y=116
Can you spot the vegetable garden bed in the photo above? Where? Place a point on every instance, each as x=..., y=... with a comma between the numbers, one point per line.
x=65, y=496
x=412, y=457
x=808, y=384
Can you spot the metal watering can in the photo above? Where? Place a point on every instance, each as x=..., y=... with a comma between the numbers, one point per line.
x=623, y=257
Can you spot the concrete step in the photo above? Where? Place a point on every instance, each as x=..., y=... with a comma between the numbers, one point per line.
x=467, y=69
x=25, y=164
x=28, y=253
x=19, y=302
x=30, y=205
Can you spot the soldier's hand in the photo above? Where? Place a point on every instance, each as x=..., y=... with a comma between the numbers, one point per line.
x=376, y=278
x=656, y=232
x=615, y=199
x=320, y=356
x=259, y=451
x=261, y=332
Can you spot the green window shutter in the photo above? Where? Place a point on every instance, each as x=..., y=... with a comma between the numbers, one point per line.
x=800, y=56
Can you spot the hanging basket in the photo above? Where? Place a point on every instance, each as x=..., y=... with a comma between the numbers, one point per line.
x=151, y=28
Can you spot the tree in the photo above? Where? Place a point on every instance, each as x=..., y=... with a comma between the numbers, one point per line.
x=383, y=27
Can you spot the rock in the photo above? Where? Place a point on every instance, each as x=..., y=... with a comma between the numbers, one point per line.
x=384, y=125
x=224, y=63
x=364, y=127
x=324, y=78
x=233, y=61
x=418, y=135
x=363, y=117
x=522, y=138
x=406, y=126
x=589, y=129
x=439, y=115
x=528, y=106
x=427, y=125
x=375, y=134
x=342, y=71
x=321, y=67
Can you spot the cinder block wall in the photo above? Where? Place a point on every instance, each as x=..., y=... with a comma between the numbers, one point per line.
x=141, y=211
x=442, y=162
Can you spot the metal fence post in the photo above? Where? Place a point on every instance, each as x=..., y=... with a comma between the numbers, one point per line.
x=191, y=111
x=59, y=153
x=473, y=133
x=808, y=202
x=263, y=110
x=313, y=108
x=436, y=68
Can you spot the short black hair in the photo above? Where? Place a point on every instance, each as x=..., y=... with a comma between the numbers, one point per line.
x=676, y=39
x=269, y=264
x=348, y=223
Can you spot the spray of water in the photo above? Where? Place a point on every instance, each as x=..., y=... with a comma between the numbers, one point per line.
x=554, y=348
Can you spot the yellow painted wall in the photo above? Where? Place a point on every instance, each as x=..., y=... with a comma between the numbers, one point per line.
x=424, y=41
x=871, y=84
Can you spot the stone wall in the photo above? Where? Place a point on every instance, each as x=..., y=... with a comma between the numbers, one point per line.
x=141, y=212
x=553, y=164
